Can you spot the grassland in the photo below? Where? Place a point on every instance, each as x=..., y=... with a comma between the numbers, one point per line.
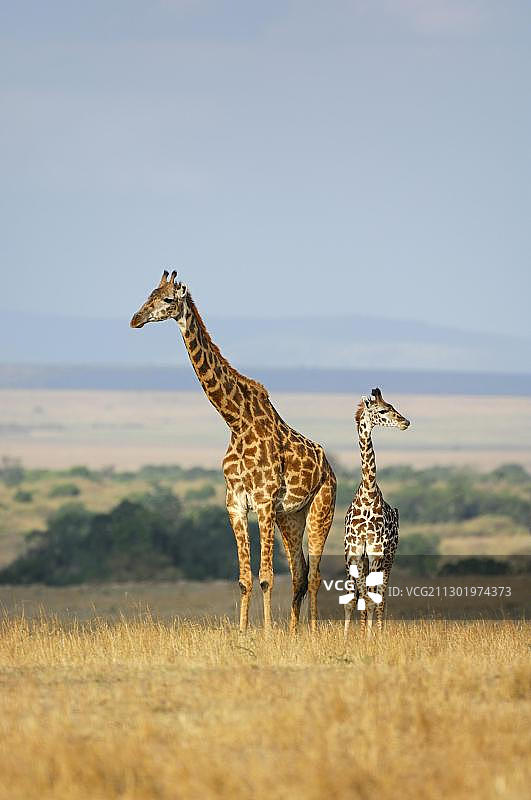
x=102, y=699
x=61, y=428
x=138, y=709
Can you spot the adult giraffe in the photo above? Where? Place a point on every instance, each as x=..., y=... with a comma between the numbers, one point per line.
x=269, y=468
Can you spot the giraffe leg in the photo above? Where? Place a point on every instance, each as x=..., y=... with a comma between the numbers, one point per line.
x=266, y=523
x=348, y=612
x=376, y=565
x=356, y=572
x=370, y=614
x=320, y=518
x=380, y=610
x=292, y=529
x=238, y=520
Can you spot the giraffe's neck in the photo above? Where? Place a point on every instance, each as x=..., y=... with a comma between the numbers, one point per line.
x=223, y=385
x=368, y=461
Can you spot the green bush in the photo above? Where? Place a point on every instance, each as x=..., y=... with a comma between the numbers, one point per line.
x=141, y=539
x=80, y=471
x=506, y=504
x=162, y=501
x=53, y=556
x=204, y=492
x=34, y=475
x=64, y=490
x=345, y=495
x=476, y=565
x=458, y=500
x=23, y=496
x=418, y=553
x=418, y=544
x=11, y=471
x=173, y=472
x=124, y=477
x=400, y=472
x=194, y=473
x=154, y=472
x=511, y=473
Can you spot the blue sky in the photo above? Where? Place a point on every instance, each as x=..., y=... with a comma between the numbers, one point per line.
x=291, y=158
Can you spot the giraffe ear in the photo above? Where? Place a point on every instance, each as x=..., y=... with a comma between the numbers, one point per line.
x=180, y=290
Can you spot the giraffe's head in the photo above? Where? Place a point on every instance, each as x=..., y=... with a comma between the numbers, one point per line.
x=167, y=300
x=375, y=411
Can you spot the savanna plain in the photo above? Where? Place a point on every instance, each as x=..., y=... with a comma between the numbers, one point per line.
x=139, y=708
x=146, y=689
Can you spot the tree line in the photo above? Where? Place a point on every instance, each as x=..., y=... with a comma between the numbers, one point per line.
x=150, y=536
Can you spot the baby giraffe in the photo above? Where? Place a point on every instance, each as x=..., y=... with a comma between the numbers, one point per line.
x=371, y=525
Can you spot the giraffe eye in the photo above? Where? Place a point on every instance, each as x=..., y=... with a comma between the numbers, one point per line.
x=168, y=299
x=382, y=411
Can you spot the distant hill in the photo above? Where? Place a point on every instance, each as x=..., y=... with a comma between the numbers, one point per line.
x=342, y=342
x=288, y=379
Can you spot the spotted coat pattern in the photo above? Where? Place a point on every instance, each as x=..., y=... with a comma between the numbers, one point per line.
x=371, y=524
x=269, y=468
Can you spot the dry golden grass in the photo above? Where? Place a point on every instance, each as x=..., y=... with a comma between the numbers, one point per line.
x=146, y=709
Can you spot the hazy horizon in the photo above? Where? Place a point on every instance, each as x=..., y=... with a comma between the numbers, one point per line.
x=338, y=342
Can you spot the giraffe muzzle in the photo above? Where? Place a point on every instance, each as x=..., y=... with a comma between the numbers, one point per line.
x=137, y=321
